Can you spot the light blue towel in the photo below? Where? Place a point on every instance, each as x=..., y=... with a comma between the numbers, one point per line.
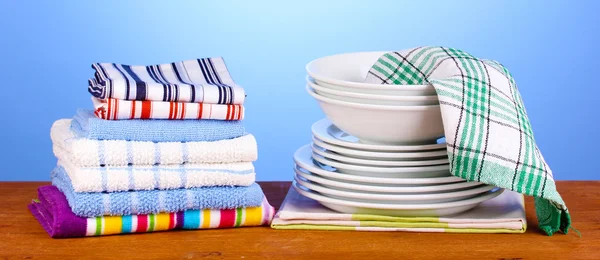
x=93, y=204
x=87, y=125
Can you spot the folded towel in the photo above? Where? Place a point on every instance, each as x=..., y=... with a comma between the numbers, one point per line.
x=52, y=211
x=202, y=81
x=130, y=178
x=502, y=214
x=87, y=125
x=94, y=204
x=488, y=134
x=85, y=152
x=116, y=109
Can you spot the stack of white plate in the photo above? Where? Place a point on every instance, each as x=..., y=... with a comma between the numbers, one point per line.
x=380, y=150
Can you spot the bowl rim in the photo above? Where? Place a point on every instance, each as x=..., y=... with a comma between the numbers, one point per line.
x=368, y=106
x=318, y=87
x=353, y=84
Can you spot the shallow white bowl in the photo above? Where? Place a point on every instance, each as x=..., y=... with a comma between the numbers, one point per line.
x=348, y=71
x=373, y=99
x=360, y=196
x=378, y=124
x=405, y=210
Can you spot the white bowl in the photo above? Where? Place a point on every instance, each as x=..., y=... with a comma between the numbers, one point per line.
x=373, y=99
x=378, y=124
x=348, y=71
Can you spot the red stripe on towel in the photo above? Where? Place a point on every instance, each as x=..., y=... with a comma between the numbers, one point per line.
x=229, y=108
x=227, y=218
x=109, y=114
x=142, y=223
x=146, y=109
x=116, y=109
x=183, y=112
x=172, y=220
x=200, y=106
x=132, y=110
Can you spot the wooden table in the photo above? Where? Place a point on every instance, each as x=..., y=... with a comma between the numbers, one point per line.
x=21, y=237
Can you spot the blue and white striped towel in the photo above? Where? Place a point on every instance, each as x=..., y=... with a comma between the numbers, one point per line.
x=204, y=80
x=85, y=152
x=94, y=204
x=129, y=178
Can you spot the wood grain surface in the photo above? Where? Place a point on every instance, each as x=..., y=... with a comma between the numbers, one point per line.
x=21, y=237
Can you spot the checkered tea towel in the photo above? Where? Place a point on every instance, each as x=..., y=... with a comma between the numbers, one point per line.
x=204, y=80
x=487, y=130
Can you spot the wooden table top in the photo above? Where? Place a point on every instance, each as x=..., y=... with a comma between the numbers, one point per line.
x=21, y=237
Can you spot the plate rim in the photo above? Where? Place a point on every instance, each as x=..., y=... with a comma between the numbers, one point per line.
x=478, y=199
x=347, y=159
x=371, y=154
x=310, y=167
x=325, y=124
x=385, y=189
x=400, y=197
x=397, y=169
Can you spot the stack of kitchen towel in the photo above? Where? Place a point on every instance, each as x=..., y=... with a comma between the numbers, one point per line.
x=164, y=148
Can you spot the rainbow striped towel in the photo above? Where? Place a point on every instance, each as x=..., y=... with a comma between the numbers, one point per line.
x=52, y=211
x=503, y=214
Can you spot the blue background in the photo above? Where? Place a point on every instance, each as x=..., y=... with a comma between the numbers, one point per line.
x=47, y=48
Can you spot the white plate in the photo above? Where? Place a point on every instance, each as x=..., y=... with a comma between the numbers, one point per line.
x=388, y=172
x=414, y=189
x=373, y=98
x=339, y=157
x=370, y=155
x=399, y=210
x=393, y=198
x=329, y=133
x=303, y=158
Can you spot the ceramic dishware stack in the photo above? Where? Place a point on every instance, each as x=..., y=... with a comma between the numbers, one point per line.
x=380, y=150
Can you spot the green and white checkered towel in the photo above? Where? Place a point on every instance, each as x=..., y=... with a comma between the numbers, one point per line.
x=489, y=136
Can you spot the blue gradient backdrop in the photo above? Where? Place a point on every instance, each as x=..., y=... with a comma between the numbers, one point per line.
x=46, y=49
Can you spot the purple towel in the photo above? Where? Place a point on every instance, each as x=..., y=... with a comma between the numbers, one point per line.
x=54, y=214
